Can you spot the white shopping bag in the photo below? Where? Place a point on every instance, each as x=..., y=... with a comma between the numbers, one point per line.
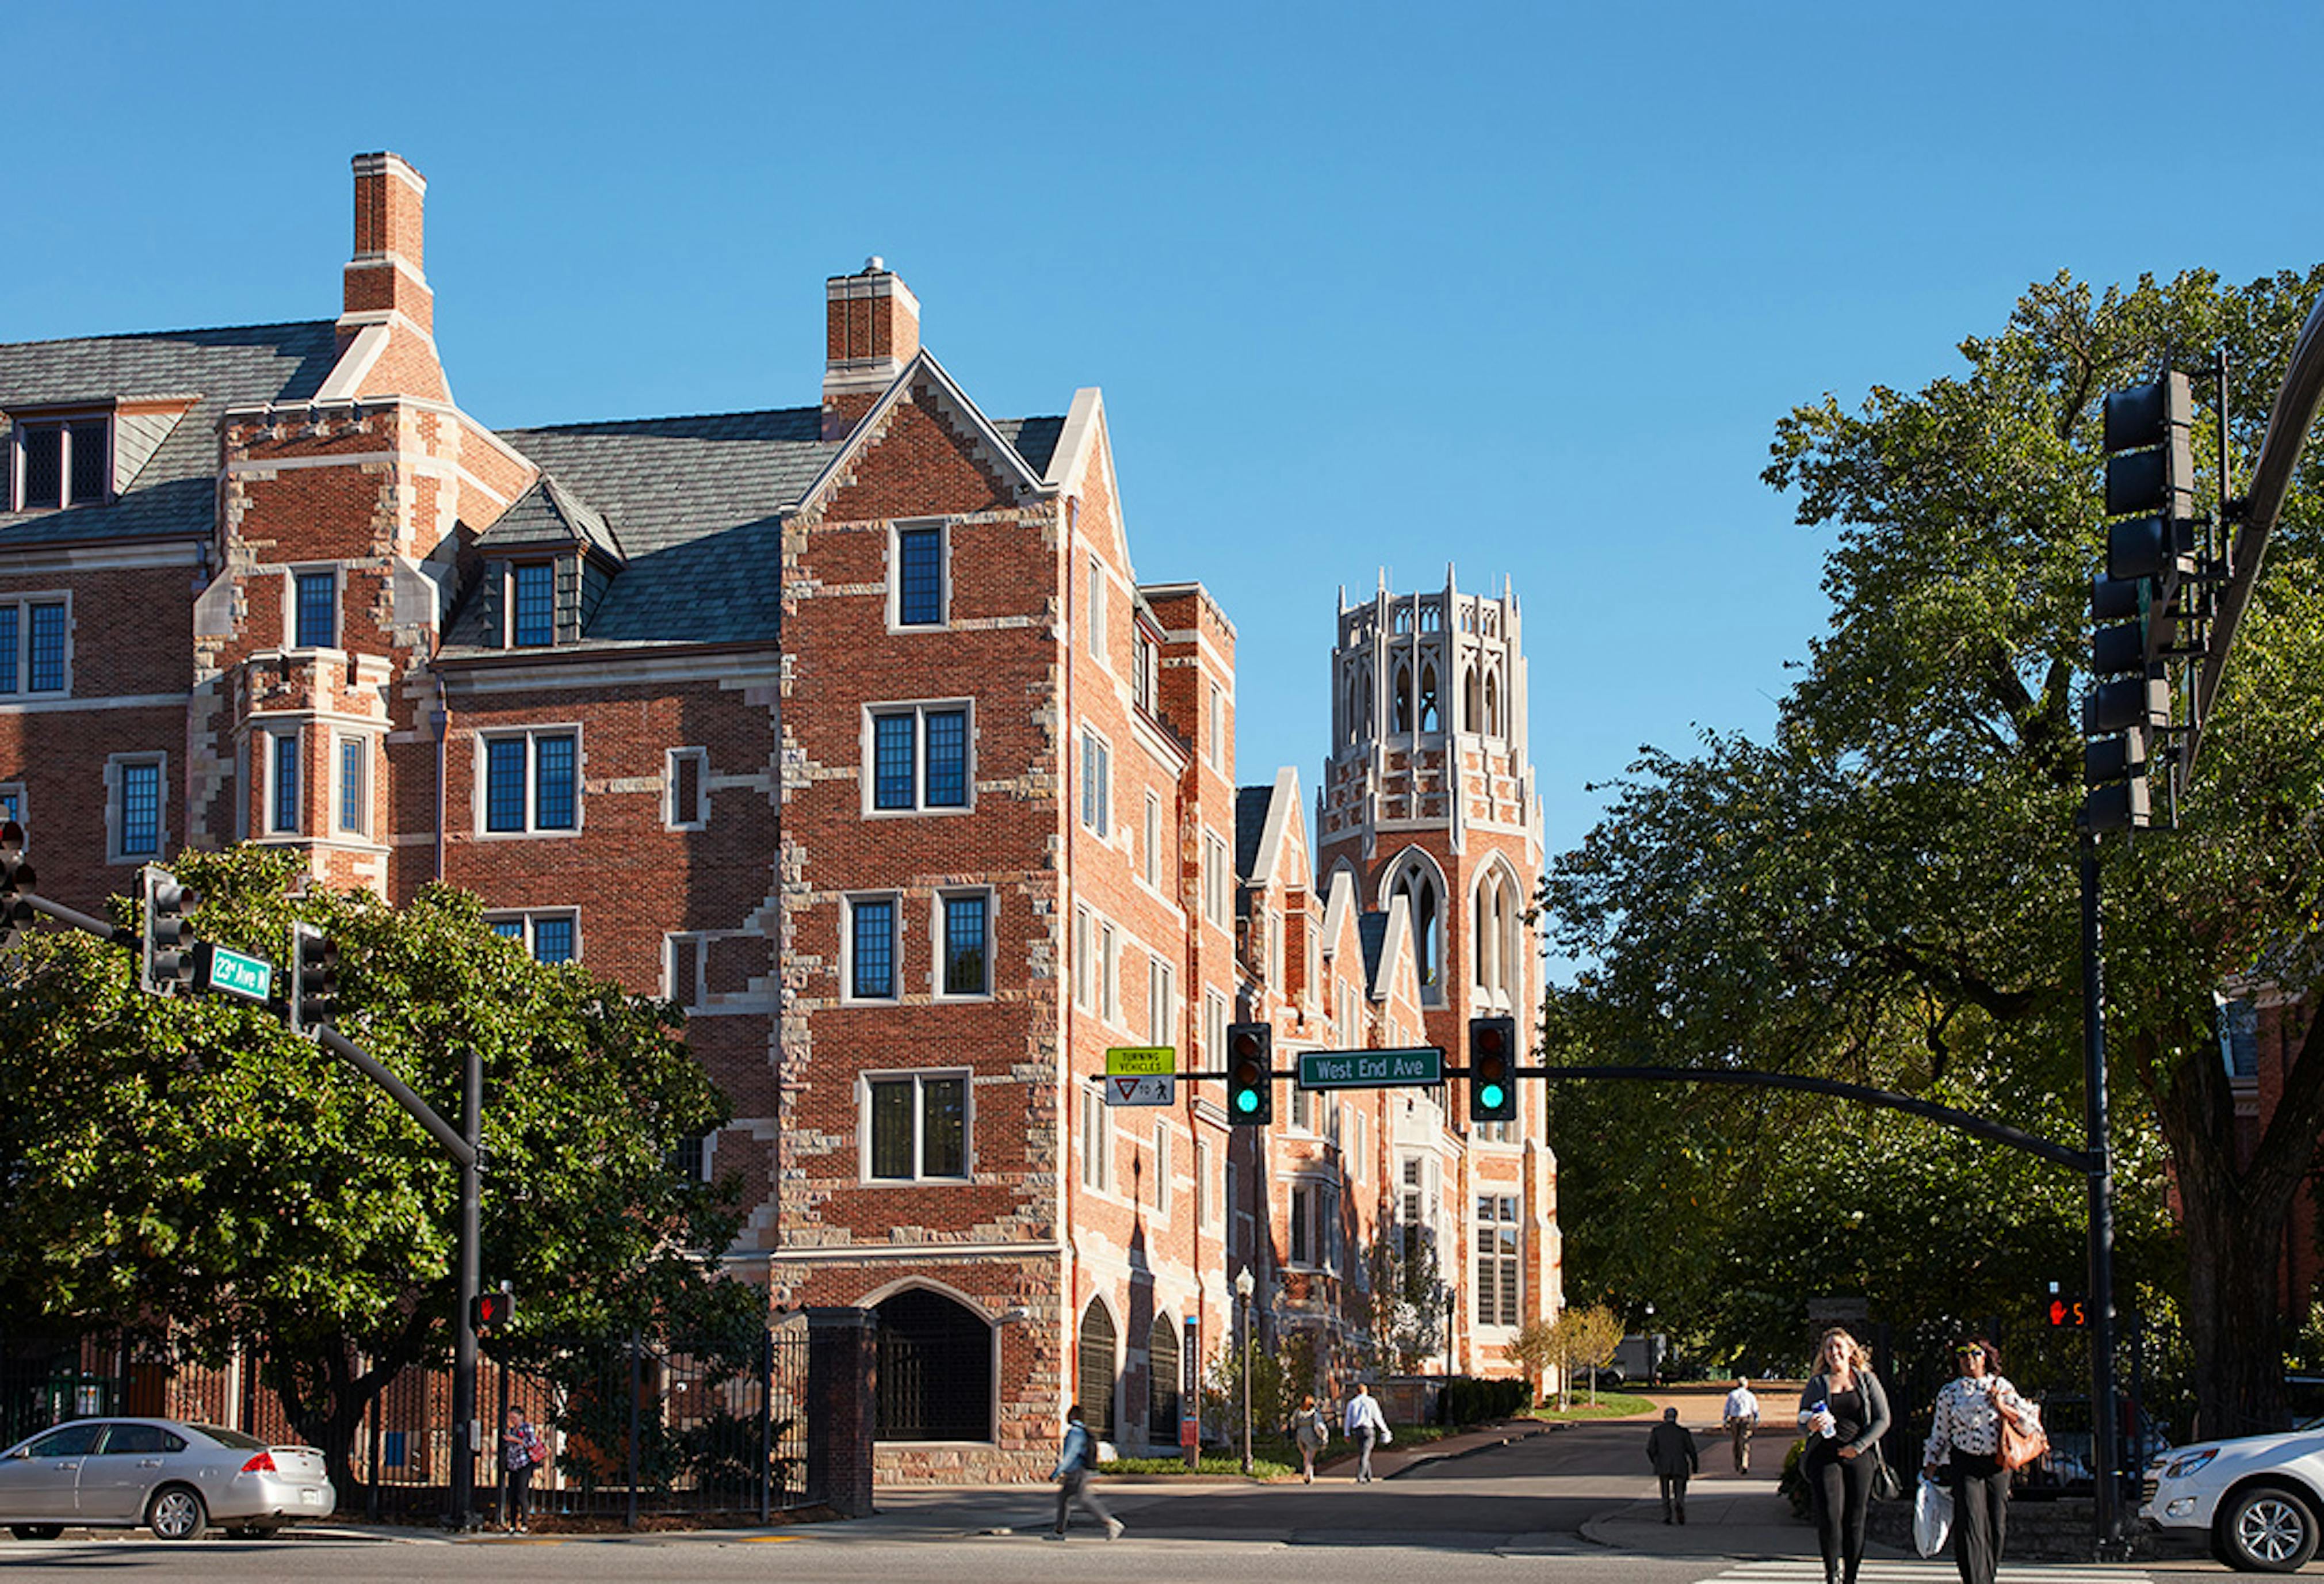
x=1933, y=1516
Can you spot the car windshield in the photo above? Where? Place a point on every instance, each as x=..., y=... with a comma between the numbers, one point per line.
x=229, y=1438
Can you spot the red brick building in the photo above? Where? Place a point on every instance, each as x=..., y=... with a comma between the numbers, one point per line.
x=922, y=802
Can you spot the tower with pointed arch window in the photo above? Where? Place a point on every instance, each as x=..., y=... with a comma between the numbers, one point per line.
x=1427, y=798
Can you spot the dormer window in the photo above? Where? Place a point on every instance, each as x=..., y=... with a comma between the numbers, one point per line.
x=532, y=603
x=62, y=462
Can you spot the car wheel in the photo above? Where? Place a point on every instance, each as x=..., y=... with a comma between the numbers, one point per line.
x=36, y=1531
x=177, y=1513
x=2268, y=1529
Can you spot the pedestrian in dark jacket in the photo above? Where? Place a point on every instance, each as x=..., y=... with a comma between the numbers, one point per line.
x=1670, y=1447
x=1076, y=1462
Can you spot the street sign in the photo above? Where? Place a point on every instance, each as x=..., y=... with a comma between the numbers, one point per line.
x=1121, y=1060
x=1371, y=1069
x=1142, y=1089
x=234, y=973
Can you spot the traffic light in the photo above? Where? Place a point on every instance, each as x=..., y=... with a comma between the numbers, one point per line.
x=166, y=963
x=493, y=1311
x=1492, y=1070
x=1251, y=1083
x=314, y=979
x=15, y=879
x=2151, y=589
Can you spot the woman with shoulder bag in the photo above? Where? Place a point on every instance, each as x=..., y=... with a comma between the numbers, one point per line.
x=1845, y=1414
x=1972, y=1410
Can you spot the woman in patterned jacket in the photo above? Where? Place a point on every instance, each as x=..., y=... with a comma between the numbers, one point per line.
x=1970, y=1412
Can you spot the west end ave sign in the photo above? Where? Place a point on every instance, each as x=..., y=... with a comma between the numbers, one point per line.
x=1366, y=1069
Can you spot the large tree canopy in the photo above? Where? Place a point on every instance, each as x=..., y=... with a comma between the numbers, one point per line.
x=1886, y=889
x=192, y=1169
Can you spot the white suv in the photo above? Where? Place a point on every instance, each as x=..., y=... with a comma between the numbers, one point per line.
x=2259, y=1497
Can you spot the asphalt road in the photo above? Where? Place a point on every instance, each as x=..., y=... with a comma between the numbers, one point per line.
x=1478, y=1517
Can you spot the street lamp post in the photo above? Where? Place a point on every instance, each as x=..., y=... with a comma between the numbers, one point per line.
x=1243, y=1289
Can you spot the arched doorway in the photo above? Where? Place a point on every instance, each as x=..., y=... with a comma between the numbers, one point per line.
x=1162, y=1383
x=1094, y=1370
x=935, y=1370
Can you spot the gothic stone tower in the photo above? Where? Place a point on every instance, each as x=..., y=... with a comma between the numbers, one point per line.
x=1428, y=794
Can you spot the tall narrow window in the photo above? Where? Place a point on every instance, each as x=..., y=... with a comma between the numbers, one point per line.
x=505, y=783
x=553, y=939
x=532, y=603
x=1097, y=784
x=1161, y=1003
x=139, y=815
x=871, y=949
x=1497, y=1263
x=686, y=773
x=45, y=662
x=355, y=786
x=1218, y=726
x=285, y=746
x=1153, y=840
x=553, y=783
x=967, y=959
x=1097, y=610
x=317, y=626
x=919, y=578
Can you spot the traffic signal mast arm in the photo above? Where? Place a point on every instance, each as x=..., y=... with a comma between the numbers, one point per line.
x=2296, y=403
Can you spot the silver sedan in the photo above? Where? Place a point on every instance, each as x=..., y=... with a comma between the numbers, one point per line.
x=173, y=1478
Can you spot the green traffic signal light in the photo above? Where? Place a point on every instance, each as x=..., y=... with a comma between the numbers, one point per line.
x=1493, y=1089
x=1251, y=1090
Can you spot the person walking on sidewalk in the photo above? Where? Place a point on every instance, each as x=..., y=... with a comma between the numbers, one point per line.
x=1670, y=1447
x=1309, y=1428
x=1968, y=1424
x=1740, y=1414
x=1366, y=1424
x=1845, y=1414
x=1077, y=1464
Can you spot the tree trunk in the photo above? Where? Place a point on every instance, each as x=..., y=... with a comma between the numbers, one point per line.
x=326, y=1398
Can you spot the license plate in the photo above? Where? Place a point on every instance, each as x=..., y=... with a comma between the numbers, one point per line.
x=313, y=1498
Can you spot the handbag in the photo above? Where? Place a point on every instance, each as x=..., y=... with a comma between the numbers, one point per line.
x=1886, y=1485
x=1933, y=1516
x=2019, y=1446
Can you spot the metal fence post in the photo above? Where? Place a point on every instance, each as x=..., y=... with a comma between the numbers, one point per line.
x=636, y=1383
x=766, y=1424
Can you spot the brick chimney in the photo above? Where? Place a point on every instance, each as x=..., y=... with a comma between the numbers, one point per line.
x=872, y=328
x=386, y=271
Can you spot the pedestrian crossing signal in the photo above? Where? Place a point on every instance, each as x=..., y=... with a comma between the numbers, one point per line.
x=2066, y=1310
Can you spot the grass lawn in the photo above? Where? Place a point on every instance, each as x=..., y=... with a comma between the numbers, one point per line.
x=1609, y=1405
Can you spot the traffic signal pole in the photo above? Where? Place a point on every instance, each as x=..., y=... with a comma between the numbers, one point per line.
x=2105, y=1470
x=465, y=1432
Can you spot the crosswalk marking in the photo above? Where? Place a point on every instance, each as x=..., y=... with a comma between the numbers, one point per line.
x=1931, y=1571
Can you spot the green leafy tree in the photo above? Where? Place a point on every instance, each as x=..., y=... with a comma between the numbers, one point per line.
x=1885, y=890
x=1407, y=1296
x=191, y=1170
x=1585, y=1339
x=1534, y=1350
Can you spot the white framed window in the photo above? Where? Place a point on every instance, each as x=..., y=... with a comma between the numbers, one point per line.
x=1161, y=1169
x=962, y=927
x=1161, y=1003
x=1097, y=1139
x=61, y=461
x=351, y=780
x=1153, y=840
x=1207, y=1202
x=1215, y=1028
x=869, y=926
x=1303, y=1108
x=529, y=783
x=1353, y=1157
x=1275, y=979
x=1097, y=784
x=1108, y=951
x=11, y=809
x=312, y=607
x=35, y=646
x=919, y=575
x=683, y=961
x=531, y=596
x=685, y=788
x=1218, y=882
x=1084, y=965
x=1097, y=610
x=1217, y=707
x=1499, y=1238
x=1313, y=1224
x=553, y=935
x=915, y=1126
x=919, y=757
x=136, y=816
x=283, y=777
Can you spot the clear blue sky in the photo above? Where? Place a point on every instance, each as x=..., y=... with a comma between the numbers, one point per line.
x=1522, y=288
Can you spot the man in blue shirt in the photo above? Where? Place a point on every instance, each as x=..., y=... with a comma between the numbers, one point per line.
x=1077, y=1461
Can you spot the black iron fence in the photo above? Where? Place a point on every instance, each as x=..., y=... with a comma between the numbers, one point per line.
x=633, y=1426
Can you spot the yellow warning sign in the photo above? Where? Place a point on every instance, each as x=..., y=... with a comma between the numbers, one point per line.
x=1142, y=1060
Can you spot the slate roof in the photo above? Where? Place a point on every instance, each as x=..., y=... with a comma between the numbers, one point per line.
x=1251, y=804
x=176, y=491
x=694, y=504
x=549, y=513
x=1372, y=934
